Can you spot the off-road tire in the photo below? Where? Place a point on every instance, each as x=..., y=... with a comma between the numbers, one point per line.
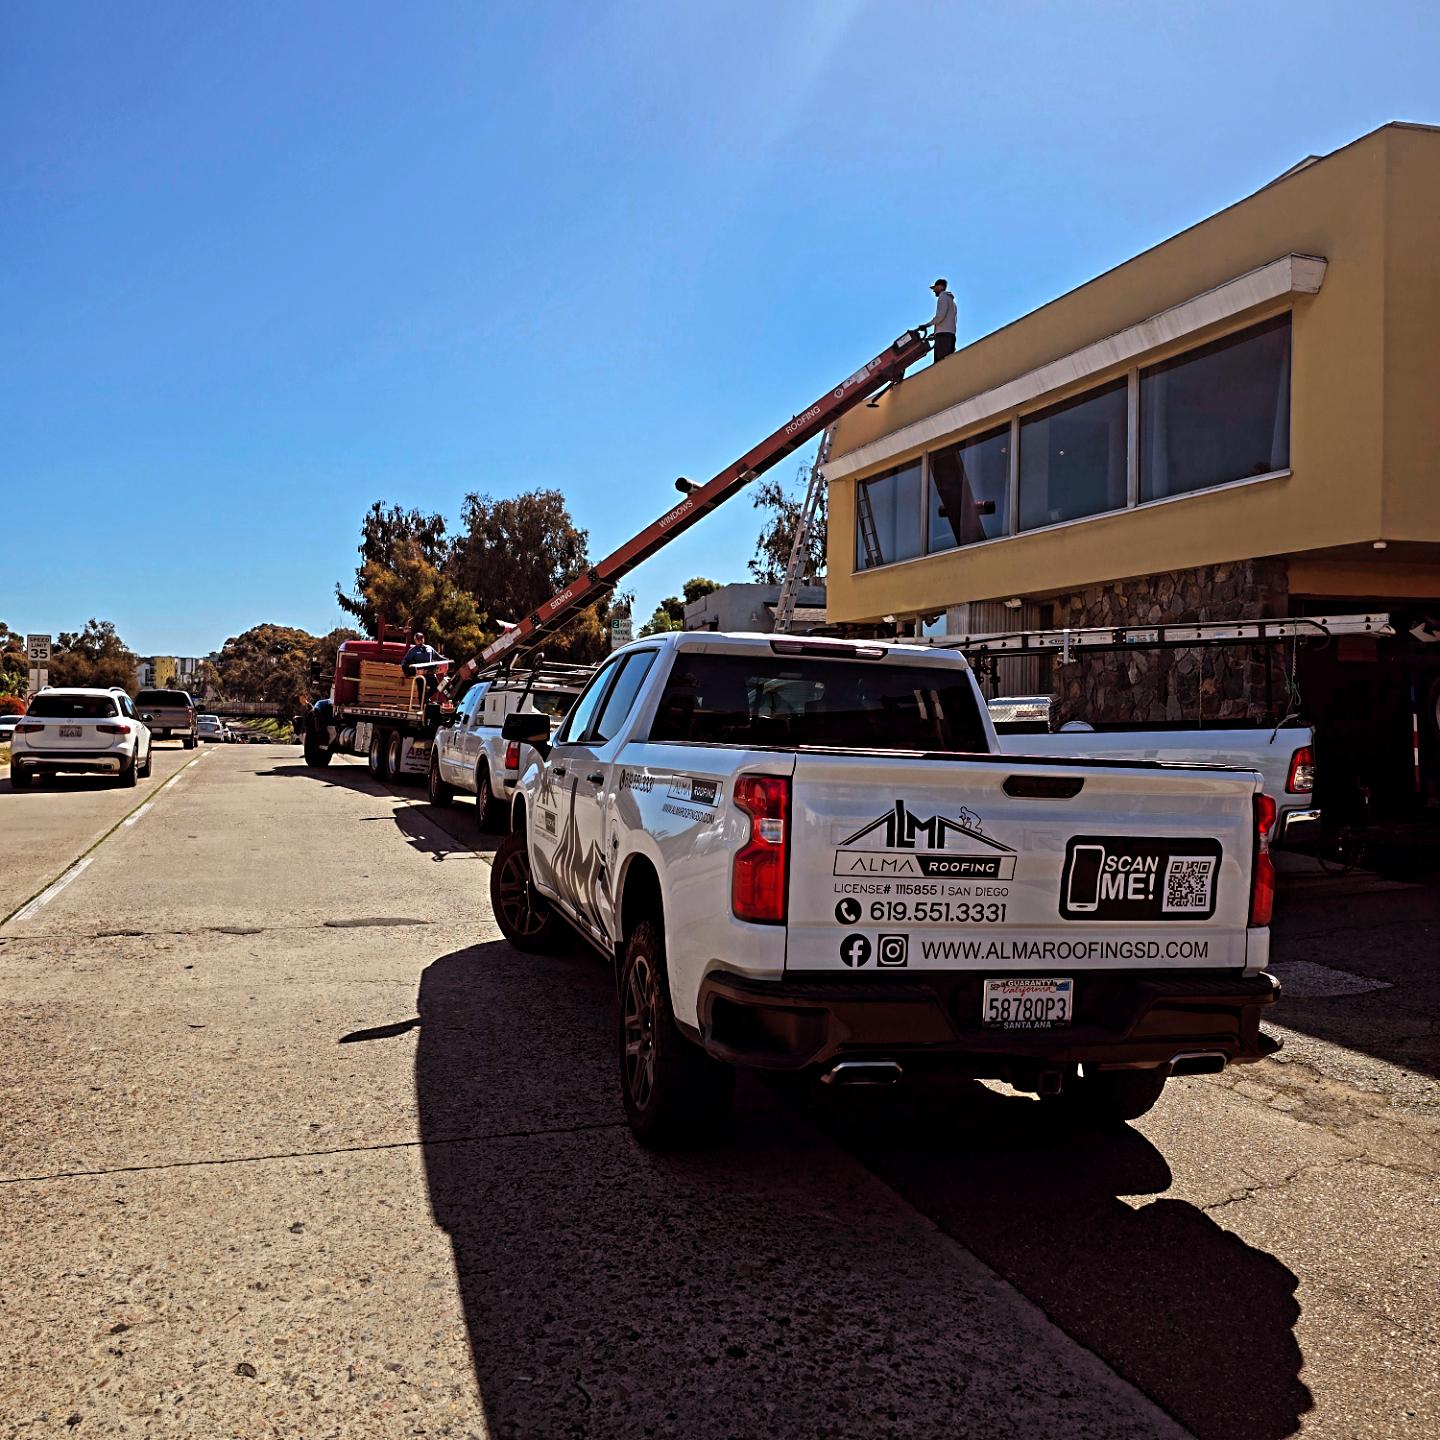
x=489, y=812
x=525, y=917
x=20, y=779
x=441, y=791
x=377, y=758
x=1107, y=1098
x=675, y=1094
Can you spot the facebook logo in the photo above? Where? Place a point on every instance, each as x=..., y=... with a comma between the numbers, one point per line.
x=855, y=951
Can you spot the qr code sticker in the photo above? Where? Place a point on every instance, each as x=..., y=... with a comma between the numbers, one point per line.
x=1189, y=880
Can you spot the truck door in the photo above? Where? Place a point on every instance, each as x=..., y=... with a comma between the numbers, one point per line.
x=553, y=848
x=594, y=777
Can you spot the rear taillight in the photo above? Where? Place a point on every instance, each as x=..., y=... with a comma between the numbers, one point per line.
x=1262, y=880
x=1301, y=780
x=758, y=878
x=119, y=728
x=512, y=755
x=29, y=727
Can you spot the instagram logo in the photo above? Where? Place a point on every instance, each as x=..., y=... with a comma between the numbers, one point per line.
x=893, y=951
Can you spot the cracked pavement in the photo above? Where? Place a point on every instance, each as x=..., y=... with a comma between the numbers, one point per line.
x=292, y=1144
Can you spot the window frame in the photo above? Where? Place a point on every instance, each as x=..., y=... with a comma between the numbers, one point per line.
x=647, y=656
x=603, y=678
x=1014, y=418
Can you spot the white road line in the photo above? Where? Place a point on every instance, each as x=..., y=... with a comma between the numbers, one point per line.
x=51, y=891
x=131, y=819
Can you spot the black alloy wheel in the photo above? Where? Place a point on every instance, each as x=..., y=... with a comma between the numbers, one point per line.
x=675, y=1094
x=524, y=915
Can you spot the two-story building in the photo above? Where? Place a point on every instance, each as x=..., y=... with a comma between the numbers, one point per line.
x=1242, y=422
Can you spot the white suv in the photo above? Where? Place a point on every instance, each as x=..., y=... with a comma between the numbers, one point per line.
x=80, y=731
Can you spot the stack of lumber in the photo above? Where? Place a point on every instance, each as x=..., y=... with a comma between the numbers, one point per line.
x=382, y=683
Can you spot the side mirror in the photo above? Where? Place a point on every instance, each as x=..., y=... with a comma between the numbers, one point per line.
x=146, y=716
x=528, y=728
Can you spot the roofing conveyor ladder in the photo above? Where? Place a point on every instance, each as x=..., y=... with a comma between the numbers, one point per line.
x=700, y=500
x=790, y=586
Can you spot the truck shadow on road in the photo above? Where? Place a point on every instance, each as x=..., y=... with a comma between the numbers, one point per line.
x=764, y=1287
x=1185, y=1310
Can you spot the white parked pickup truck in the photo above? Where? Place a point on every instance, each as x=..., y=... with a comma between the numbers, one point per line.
x=807, y=855
x=470, y=753
x=1283, y=754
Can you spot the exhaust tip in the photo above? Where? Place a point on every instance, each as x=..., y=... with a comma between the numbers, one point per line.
x=863, y=1072
x=1199, y=1062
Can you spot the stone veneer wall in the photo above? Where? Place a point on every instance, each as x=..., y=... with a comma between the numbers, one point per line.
x=1215, y=682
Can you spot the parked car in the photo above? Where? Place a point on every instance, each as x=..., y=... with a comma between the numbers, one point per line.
x=80, y=731
x=173, y=712
x=470, y=753
x=7, y=725
x=211, y=728
x=811, y=856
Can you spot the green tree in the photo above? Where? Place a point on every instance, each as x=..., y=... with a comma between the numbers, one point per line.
x=14, y=664
x=95, y=656
x=669, y=615
x=382, y=532
x=267, y=662
x=697, y=588
x=782, y=507
x=514, y=554
x=415, y=593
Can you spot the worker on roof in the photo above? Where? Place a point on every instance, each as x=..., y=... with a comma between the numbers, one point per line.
x=944, y=321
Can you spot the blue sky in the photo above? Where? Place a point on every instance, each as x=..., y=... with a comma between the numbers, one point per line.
x=263, y=264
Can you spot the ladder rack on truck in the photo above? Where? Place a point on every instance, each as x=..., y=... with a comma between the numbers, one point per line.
x=1066, y=643
x=700, y=500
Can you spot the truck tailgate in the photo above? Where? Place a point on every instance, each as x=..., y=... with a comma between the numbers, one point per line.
x=996, y=864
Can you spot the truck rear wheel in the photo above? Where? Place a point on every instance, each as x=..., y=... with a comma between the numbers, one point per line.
x=395, y=755
x=317, y=752
x=189, y=742
x=1107, y=1098
x=489, y=813
x=441, y=793
x=524, y=915
x=376, y=759
x=675, y=1094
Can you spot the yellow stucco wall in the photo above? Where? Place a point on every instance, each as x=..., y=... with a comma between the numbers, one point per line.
x=1412, y=336
x=1350, y=429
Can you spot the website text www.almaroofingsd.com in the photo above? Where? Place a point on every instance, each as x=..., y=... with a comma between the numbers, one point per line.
x=1089, y=950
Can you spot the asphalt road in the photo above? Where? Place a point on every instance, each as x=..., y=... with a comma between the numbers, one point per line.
x=291, y=1143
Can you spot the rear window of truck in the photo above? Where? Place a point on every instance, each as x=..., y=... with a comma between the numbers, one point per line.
x=764, y=699
x=162, y=697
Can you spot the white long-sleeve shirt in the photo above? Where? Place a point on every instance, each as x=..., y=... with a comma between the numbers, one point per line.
x=944, y=321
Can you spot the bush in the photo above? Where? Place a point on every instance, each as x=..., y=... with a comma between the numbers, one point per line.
x=11, y=705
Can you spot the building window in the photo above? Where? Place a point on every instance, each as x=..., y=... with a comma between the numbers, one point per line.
x=1072, y=458
x=1216, y=414
x=887, y=518
x=963, y=478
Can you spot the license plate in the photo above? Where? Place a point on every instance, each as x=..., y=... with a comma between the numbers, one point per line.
x=1026, y=1004
x=71, y=732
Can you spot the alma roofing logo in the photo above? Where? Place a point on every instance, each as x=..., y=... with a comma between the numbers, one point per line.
x=902, y=829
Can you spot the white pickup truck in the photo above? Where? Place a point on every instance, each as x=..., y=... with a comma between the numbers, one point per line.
x=807, y=855
x=1284, y=754
x=471, y=754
